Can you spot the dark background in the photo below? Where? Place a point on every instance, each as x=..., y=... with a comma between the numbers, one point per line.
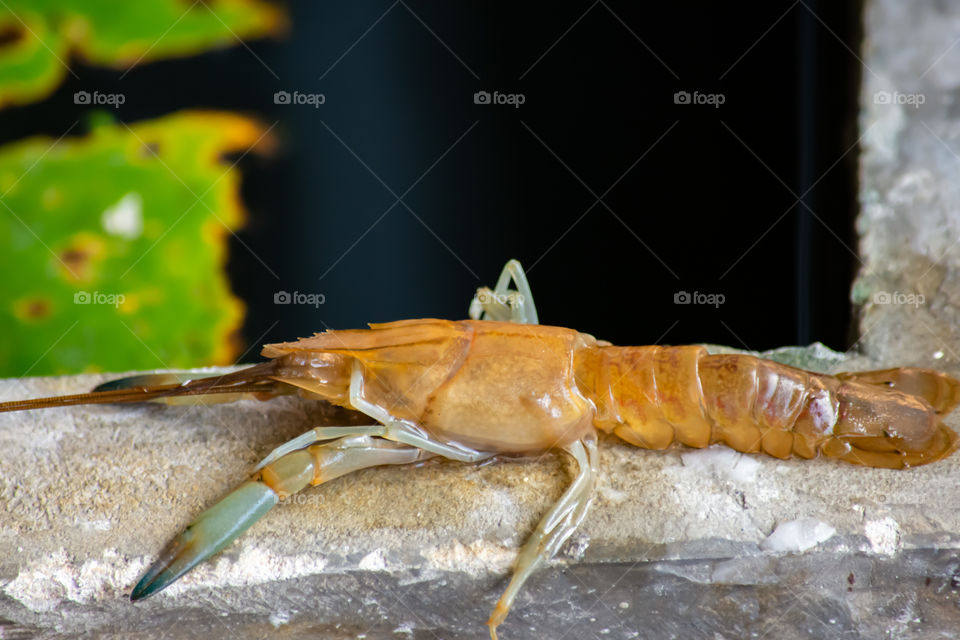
x=703, y=199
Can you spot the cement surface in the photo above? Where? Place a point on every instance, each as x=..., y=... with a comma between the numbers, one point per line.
x=89, y=495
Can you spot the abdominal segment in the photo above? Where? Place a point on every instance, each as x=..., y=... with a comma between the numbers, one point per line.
x=655, y=396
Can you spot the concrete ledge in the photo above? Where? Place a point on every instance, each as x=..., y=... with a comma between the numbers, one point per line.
x=89, y=495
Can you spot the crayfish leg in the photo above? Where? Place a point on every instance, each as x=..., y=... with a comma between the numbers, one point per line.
x=318, y=434
x=222, y=523
x=554, y=528
x=503, y=303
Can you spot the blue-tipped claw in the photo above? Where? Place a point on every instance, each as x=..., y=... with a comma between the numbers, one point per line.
x=216, y=527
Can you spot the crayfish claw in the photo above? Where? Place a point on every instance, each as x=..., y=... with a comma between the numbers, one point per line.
x=213, y=530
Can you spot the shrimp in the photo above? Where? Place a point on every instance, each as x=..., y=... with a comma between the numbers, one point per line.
x=500, y=383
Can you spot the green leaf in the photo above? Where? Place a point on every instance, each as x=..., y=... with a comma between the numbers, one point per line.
x=39, y=37
x=115, y=245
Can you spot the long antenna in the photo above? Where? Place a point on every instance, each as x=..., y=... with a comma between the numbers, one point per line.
x=255, y=379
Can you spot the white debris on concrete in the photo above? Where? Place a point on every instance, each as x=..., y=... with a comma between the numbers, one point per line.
x=373, y=561
x=798, y=535
x=723, y=463
x=883, y=534
x=279, y=618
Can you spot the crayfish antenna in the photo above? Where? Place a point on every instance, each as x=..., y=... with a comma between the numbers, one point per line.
x=164, y=387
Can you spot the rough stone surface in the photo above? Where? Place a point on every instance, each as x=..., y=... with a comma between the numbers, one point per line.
x=909, y=224
x=673, y=547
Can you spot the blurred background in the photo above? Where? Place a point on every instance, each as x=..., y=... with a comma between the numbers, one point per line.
x=182, y=182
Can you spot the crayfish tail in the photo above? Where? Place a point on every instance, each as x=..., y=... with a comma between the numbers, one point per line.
x=941, y=391
x=880, y=452
x=654, y=396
